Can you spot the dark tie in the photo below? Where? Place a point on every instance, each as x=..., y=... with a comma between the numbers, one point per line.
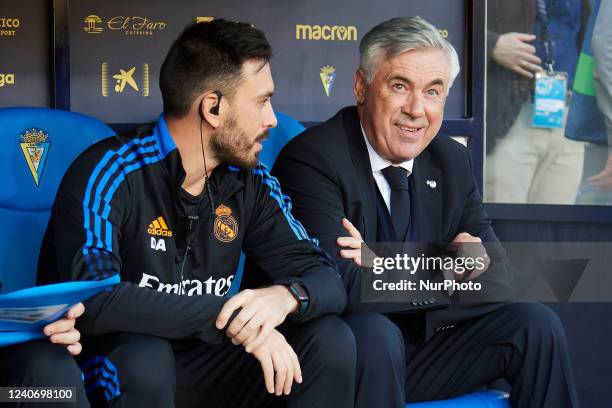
x=397, y=177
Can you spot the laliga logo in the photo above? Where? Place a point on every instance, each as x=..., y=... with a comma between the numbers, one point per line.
x=8, y=79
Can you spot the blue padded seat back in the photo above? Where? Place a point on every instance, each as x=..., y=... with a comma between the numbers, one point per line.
x=286, y=129
x=478, y=399
x=37, y=146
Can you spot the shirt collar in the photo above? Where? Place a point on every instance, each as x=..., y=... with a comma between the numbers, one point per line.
x=164, y=138
x=378, y=162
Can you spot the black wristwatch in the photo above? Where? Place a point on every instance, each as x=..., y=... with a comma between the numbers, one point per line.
x=301, y=295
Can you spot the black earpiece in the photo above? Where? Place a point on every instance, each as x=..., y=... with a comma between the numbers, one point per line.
x=215, y=109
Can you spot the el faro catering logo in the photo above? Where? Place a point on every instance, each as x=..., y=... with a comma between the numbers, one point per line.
x=35, y=146
x=125, y=79
x=325, y=32
x=328, y=76
x=93, y=24
x=129, y=25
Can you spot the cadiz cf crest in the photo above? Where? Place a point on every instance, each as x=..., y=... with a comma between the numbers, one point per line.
x=35, y=147
x=226, y=227
x=328, y=75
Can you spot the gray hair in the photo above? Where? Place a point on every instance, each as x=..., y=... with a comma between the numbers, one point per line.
x=398, y=35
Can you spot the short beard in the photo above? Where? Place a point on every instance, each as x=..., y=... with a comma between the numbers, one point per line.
x=231, y=145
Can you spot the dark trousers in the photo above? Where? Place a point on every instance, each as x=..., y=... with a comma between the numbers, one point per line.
x=41, y=363
x=524, y=343
x=154, y=372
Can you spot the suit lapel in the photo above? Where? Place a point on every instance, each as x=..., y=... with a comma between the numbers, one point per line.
x=427, y=197
x=363, y=172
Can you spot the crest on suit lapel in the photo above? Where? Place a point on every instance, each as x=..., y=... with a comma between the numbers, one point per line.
x=35, y=146
x=431, y=183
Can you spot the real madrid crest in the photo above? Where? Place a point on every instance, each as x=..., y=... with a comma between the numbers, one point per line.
x=226, y=227
x=34, y=146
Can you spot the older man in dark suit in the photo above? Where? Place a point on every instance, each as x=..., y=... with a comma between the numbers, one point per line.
x=378, y=173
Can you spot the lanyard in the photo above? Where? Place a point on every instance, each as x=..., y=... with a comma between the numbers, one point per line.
x=548, y=42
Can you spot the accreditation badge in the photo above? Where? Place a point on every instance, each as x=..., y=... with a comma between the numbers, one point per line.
x=549, y=99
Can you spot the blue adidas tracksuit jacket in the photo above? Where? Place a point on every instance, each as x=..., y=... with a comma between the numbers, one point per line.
x=118, y=211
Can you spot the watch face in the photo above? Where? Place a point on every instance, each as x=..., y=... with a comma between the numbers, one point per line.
x=300, y=291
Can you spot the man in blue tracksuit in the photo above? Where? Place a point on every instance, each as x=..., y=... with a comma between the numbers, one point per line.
x=170, y=209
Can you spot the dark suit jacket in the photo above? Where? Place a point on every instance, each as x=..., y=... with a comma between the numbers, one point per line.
x=326, y=172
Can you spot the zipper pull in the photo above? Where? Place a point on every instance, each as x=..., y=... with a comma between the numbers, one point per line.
x=192, y=218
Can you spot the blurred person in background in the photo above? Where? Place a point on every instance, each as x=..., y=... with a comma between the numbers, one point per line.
x=527, y=164
x=590, y=114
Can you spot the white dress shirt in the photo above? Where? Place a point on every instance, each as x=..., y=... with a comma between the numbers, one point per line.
x=378, y=163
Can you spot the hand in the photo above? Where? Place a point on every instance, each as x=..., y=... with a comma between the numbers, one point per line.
x=514, y=52
x=353, y=241
x=279, y=363
x=63, y=332
x=603, y=179
x=473, y=250
x=261, y=310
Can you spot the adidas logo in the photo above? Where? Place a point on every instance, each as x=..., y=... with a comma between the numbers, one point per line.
x=159, y=227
